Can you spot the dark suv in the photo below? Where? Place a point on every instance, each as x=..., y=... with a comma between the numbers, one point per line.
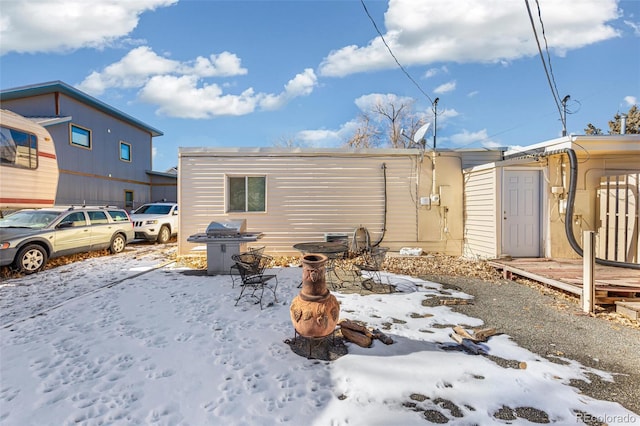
x=28, y=238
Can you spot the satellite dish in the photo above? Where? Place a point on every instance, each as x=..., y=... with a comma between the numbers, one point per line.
x=419, y=134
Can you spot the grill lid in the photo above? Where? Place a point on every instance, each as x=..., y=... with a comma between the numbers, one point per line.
x=226, y=227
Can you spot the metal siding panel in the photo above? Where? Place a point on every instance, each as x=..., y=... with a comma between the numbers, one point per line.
x=480, y=217
x=306, y=196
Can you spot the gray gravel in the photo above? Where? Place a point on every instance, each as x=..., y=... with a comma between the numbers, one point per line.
x=549, y=326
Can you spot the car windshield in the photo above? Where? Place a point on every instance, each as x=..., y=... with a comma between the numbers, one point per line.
x=153, y=209
x=29, y=219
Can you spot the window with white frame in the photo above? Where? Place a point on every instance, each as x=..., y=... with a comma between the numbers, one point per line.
x=125, y=151
x=80, y=136
x=246, y=193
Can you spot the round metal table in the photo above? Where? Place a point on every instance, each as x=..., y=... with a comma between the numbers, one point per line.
x=330, y=249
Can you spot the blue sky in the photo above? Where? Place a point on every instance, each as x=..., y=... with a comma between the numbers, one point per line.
x=261, y=73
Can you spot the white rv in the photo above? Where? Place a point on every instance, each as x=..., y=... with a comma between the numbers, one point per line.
x=28, y=163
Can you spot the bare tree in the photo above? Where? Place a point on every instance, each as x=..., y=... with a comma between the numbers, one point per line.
x=286, y=142
x=383, y=124
x=366, y=135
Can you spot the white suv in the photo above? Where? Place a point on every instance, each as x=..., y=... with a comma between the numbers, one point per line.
x=156, y=221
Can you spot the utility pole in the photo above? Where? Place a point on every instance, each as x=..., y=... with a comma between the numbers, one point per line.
x=564, y=115
x=435, y=121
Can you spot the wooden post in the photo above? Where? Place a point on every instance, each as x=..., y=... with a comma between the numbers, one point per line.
x=588, y=268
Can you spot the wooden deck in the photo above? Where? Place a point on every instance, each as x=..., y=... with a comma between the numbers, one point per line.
x=613, y=284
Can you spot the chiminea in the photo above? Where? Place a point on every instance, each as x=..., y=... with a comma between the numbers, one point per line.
x=314, y=311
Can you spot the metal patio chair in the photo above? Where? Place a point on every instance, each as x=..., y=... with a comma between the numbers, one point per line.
x=249, y=256
x=254, y=280
x=368, y=269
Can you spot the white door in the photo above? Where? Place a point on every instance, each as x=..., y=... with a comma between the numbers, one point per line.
x=521, y=213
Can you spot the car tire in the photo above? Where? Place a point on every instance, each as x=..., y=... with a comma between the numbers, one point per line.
x=164, y=235
x=118, y=243
x=31, y=258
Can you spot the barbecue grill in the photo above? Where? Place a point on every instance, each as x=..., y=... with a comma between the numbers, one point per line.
x=224, y=238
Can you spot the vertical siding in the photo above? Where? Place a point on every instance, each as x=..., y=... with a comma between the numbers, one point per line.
x=619, y=218
x=480, y=204
x=307, y=196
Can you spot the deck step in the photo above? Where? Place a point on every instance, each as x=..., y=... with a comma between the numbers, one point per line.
x=629, y=309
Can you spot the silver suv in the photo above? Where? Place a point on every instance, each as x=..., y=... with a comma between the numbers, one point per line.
x=28, y=238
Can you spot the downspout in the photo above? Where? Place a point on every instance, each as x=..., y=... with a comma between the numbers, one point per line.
x=384, y=217
x=568, y=219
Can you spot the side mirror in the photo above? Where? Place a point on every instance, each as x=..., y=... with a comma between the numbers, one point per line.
x=63, y=225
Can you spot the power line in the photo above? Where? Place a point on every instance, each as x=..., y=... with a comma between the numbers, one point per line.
x=391, y=52
x=546, y=48
x=556, y=98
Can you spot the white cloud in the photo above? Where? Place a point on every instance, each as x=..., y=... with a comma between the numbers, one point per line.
x=133, y=70
x=366, y=102
x=462, y=31
x=179, y=89
x=635, y=26
x=432, y=72
x=142, y=63
x=182, y=97
x=445, y=88
x=57, y=26
x=631, y=100
x=321, y=138
x=446, y=114
x=324, y=138
x=225, y=64
x=301, y=85
x=466, y=138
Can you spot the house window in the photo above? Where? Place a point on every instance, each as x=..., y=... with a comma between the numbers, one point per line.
x=18, y=148
x=128, y=199
x=80, y=137
x=247, y=194
x=125, y=151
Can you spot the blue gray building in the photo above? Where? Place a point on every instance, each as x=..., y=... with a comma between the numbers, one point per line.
x=104, y=155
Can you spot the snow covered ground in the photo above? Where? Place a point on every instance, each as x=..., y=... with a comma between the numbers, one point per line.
x=129, y=339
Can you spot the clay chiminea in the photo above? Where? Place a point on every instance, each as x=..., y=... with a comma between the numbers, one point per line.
x=314, y=311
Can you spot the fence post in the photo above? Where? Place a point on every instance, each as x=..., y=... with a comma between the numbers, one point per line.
x=588, y=268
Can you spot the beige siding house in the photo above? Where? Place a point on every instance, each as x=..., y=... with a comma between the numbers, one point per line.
x=518, y=206
x=308, y=194
x=534, y=202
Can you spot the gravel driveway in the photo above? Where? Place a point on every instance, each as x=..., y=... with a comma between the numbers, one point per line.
x=554, y=327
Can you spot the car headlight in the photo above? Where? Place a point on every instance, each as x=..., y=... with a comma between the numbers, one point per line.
x=151, y=222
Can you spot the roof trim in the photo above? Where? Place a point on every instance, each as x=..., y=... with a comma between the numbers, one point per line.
x=72, y=92
x=163, y=174
x=288, y=152
x=50, y=121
